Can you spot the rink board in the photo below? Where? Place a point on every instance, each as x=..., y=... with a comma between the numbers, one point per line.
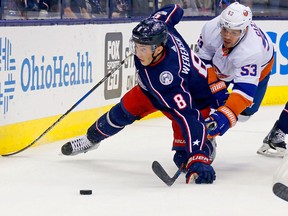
x=40, y=81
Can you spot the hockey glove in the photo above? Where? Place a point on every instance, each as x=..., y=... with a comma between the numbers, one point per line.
x=220, y=94
x=180, y=157
x=199, y=170
x=218, y=89
x=220, y=121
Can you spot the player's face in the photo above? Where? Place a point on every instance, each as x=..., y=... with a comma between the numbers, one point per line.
x=230, y=37
x=144, y=53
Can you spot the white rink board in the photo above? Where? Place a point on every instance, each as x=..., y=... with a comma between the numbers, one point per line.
x=39, y=62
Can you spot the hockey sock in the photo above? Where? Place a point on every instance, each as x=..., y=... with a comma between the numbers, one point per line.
x=110, y=123
x=283, y=119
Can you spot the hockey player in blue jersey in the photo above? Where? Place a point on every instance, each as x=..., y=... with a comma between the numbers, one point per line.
x=172, y=79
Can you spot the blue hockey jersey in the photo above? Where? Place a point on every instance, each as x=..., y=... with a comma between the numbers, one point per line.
x=177, y=83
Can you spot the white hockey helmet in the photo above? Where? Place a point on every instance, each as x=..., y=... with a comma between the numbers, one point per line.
x=236, y=17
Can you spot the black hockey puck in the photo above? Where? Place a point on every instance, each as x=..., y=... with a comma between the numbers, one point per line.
x=85, y=192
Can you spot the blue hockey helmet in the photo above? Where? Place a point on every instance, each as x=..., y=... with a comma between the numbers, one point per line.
x=150, y=31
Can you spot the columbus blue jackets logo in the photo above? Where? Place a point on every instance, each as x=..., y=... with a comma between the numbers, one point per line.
x=166, y=78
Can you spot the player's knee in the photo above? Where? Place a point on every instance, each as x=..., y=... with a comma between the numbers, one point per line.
x=243, y=118
x=247, y=113
x=119, y=116
x=180, y=157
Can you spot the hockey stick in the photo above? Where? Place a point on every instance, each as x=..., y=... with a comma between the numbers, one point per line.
x=162, y=174
x=119, y=65
x=281, y=191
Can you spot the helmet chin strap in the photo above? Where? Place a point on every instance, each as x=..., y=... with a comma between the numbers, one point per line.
x=241, y=37
x=154, y=57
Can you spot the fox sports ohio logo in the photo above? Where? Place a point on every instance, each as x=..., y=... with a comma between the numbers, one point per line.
x=166, y=78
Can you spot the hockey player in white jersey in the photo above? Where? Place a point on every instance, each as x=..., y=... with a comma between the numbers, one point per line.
x=237, y=52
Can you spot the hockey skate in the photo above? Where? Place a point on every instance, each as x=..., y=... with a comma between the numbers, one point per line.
x=274, y=143
x=212, y=148
x=78, y=145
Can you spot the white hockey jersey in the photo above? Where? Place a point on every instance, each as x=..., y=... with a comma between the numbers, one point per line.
x=245, y=65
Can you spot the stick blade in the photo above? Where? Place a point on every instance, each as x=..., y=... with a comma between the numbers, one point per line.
x=162, y=174
x=281, y=191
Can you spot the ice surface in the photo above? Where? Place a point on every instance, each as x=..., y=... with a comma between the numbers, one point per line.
x=40, y=182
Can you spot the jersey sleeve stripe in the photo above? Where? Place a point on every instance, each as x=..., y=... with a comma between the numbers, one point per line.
x=171, y=14
x=247, y=90
x=267, y=69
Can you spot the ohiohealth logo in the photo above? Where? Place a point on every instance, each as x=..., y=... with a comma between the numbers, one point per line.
x=7, y=68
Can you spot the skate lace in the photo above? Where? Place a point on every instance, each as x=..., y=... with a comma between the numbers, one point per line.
x=80, y=144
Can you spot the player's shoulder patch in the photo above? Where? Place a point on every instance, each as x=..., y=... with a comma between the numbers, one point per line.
x=166, y=78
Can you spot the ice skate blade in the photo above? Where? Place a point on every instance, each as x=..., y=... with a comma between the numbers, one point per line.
x=270, y=154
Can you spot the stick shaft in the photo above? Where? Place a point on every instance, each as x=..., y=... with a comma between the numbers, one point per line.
x=72, y=107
